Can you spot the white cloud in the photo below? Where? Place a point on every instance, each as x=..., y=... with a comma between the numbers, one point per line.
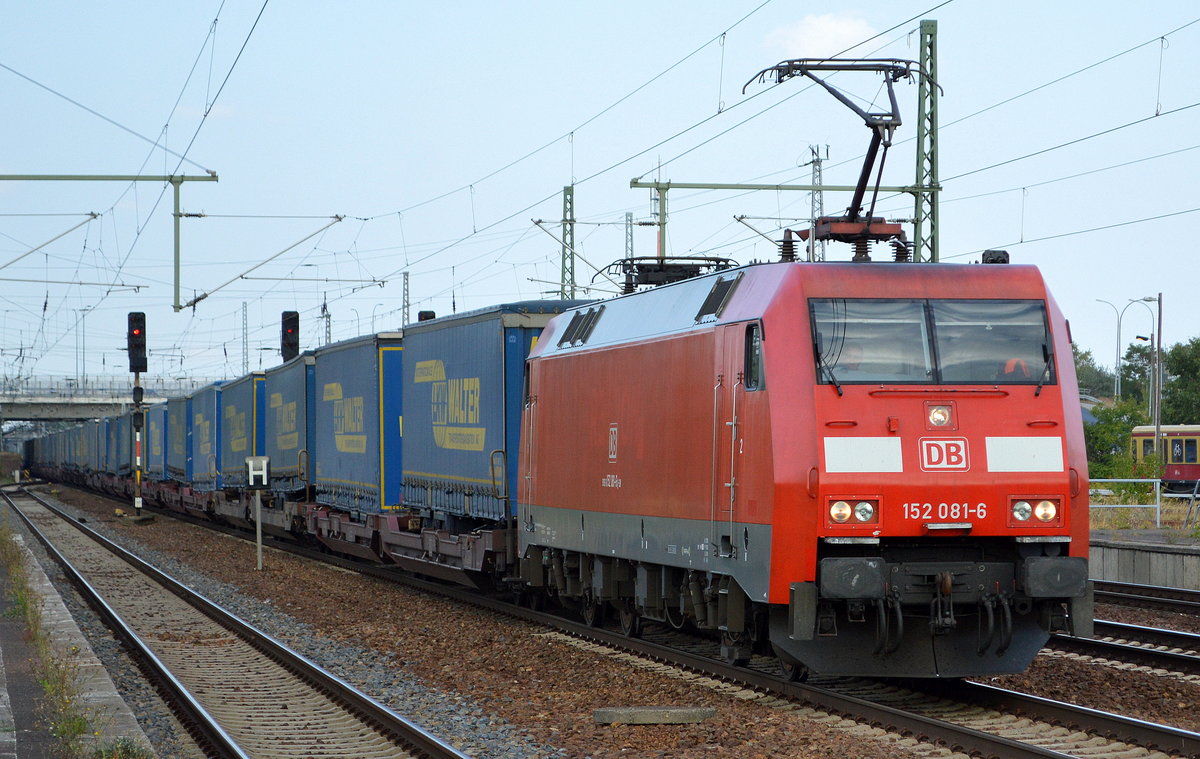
x=820, y=36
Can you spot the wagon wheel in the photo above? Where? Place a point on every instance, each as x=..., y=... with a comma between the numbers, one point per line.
x=631, y=621
x=591, y=610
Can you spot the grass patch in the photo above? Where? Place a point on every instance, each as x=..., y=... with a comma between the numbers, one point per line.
x=1173, y=517
x=75, y=727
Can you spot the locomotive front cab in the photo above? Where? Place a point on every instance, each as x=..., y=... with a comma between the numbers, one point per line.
x=944, y=494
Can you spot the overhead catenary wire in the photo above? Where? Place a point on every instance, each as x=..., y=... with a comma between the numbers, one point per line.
x=1089, y=230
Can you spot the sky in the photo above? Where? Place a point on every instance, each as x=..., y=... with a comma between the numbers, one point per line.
x=356, y=142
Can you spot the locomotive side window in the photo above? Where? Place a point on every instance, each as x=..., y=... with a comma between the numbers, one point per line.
x=752, y=378
x=952, y=342
x=992, y=342
x=1189, y=451
x=872, y=341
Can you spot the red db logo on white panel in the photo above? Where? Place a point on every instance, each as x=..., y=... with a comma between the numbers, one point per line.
x=944, y=454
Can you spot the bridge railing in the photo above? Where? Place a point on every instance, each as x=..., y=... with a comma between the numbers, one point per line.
x=99, y=387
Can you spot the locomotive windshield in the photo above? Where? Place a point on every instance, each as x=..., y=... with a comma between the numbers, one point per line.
x=948, y=342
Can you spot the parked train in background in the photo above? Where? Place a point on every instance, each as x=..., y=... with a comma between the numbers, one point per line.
x=872, y=469
x=1180, y=463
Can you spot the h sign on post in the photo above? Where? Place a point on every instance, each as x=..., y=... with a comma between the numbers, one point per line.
x=258, y=470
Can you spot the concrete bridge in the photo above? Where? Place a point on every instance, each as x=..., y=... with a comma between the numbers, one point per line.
x=58, y=399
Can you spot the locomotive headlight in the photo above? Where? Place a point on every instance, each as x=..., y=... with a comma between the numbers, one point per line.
x=1046, y=511
x=839, y=511
x=1022, y=510
x=864, y=511
x=939, y=416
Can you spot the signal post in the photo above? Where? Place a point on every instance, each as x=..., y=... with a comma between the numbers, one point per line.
x=135, y=341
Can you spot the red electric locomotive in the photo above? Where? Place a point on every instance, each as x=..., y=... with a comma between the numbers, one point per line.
x=873, y=469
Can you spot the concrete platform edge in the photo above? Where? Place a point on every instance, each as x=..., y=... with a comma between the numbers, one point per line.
x=110, y=715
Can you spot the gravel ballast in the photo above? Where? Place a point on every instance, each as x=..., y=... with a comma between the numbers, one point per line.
x=492, y=686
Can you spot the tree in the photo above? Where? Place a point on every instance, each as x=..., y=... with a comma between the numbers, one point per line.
x=1135, y=373
x=1093, y=379
x=1108, y=439
x=1181, y=391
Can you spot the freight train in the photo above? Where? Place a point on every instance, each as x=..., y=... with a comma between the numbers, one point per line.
x=867, y=468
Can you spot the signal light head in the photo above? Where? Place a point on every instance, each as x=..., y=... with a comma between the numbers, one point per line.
x=289, y=335
x=135, y=341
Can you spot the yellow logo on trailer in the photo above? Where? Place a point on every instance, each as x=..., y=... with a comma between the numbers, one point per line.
x=454, y=409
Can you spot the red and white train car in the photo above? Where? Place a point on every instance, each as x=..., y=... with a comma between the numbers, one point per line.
x=1179, y=461
x=875, y=469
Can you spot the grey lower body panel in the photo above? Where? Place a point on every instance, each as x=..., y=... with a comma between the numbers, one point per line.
x=742, y=551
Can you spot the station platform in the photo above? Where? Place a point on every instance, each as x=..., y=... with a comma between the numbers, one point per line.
x=24, y=732
x=1169, y=558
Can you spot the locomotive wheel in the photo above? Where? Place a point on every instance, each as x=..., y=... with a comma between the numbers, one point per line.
x=631, y=622
x=793, y=672
x=537, y=601
x=592, y=611
x=736, y=648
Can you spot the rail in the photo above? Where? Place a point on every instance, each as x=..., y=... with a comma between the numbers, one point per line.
x=408, y=736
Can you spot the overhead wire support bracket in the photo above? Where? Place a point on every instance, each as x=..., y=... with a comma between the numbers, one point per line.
x=175, y=180
x=260, y=264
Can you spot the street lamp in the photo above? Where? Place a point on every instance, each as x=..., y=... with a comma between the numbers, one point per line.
x=1117, y=364
x=357, y=322
x=377, y=305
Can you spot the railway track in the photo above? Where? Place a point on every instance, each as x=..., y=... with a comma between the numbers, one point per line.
x=975, y=719
x=1168, y=650
x=1178, y=600
x=242, y=693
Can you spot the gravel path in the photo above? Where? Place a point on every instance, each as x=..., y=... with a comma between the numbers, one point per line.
x=493, y=687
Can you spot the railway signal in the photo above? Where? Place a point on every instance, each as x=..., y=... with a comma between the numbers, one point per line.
x=289, y=335
x=136, y=341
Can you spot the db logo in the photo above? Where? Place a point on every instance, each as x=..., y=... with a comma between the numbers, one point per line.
x=944, y=454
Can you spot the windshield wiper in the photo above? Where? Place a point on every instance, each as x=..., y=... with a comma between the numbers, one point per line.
x=1046, y=364
x=823, y=365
